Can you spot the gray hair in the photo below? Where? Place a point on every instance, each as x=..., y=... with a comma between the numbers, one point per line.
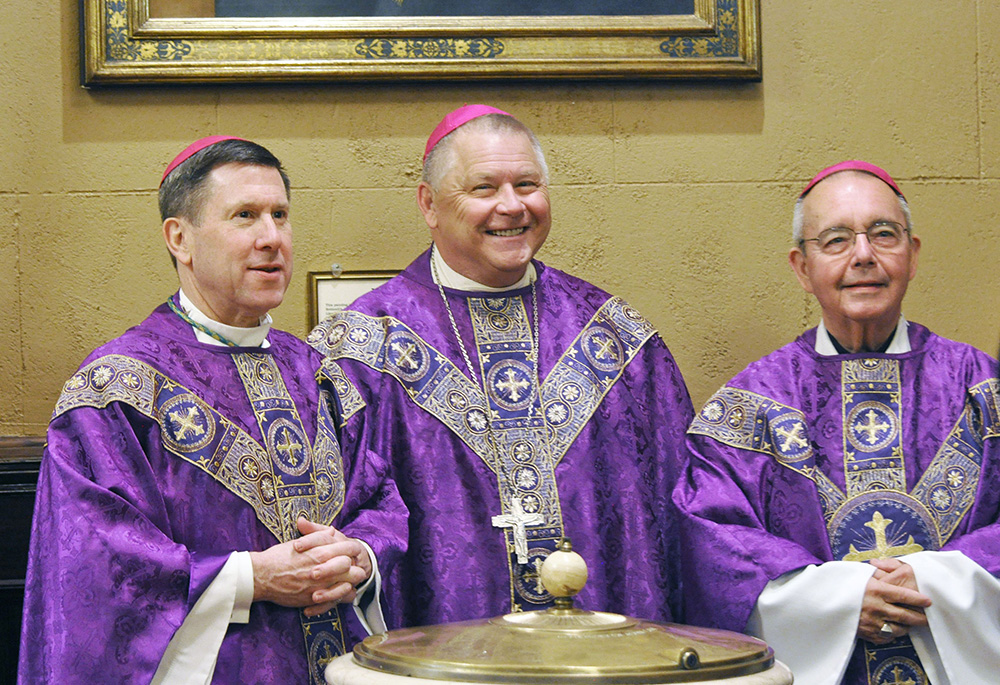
x=798, y=218
x=442, y=157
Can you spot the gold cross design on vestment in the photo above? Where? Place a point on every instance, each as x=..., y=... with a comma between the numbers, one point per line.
x=872, y=427
x=790, y=436
x=882, y=548
x=326, y=657
x=896, y=675
x=513, y=385
x=289, y=447
x=518, y=520
x=534, y=574
x=185, y=424
x=405, y=354
x=605, y=348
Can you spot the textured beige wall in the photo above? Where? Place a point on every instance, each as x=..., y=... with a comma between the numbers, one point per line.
x=675, y=196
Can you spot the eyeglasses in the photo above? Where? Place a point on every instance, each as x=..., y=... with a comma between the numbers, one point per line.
x=883, y=236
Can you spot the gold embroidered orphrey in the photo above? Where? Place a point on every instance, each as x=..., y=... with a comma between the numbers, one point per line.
x=876, y=518
x=503, y=426
x=282, y=479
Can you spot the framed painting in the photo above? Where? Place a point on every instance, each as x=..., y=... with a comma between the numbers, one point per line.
x=204, y=41
x=328, y=293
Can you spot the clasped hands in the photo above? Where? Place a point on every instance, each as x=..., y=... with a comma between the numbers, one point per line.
x=316, y=571
x=891, y=598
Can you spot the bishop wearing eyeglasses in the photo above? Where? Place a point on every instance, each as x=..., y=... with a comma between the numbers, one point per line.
x=842, y=493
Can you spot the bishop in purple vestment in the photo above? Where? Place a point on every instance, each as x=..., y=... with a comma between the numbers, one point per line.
x=516, y=403
x=185, y=459
x=842, y=495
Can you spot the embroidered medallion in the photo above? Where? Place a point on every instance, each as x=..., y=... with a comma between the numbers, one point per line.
x=528, y=578
x=280, y=480
x=531, y=428
x=187, y=423
x=876, y=518
x=407, y=353
x=881, y=524
x=894, y=664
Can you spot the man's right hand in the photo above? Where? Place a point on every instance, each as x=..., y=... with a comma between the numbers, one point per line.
x=317, y=571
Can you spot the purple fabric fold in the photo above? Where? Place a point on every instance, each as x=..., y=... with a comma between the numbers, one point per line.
x=753, y=511
x=614, y=478
x=127, y=534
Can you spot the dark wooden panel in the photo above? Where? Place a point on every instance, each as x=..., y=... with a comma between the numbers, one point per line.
x=19, y=462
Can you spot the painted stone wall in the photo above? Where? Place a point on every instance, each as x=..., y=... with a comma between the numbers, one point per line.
x=676, y=196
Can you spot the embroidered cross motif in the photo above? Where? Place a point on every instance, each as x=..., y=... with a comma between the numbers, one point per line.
x=512, y=385
x=534, y=574
x=405, y=353
x=872, y=427
x=882, y=550
x=605, y=348
x=518, y=520
x=896, y=678
x=186, y=423
x=791, y=436
x=289, y=447
x=326, y=657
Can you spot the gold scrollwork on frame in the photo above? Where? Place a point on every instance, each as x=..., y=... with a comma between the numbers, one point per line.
x=123, y=43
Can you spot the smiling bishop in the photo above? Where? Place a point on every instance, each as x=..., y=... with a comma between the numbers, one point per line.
x=841, y=497
x=516, y=403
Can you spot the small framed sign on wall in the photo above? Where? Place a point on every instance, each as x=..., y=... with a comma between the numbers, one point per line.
x=329, y=293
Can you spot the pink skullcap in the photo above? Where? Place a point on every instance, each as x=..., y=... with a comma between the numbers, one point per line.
x=191, y=149
x=453, y=120
x=854, y=165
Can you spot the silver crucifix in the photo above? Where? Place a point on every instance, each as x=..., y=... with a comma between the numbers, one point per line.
x=518, y=520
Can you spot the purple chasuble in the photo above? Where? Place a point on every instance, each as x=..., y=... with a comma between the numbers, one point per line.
x=592, y=455
x=154, y=472
x=802, y=459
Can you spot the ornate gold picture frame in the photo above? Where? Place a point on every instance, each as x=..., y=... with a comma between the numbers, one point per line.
x=123, y=43
x=328, y=293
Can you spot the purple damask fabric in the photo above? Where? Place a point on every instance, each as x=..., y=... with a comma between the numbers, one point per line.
x=615, y=458
x=127, y=534
x=767, y=490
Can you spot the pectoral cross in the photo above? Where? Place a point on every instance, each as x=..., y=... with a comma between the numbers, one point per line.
x=882, y=548
x=518, y=520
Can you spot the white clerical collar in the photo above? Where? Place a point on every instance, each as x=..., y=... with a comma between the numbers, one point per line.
x=450, y=278
x=900, y=340
x=244, y=337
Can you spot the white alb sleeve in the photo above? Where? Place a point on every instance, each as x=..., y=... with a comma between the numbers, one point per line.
x=368, y=603
x=192, y=652
x=810, y=617
x=961, y=643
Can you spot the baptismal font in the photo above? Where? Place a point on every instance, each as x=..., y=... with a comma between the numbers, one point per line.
x=563, y=644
